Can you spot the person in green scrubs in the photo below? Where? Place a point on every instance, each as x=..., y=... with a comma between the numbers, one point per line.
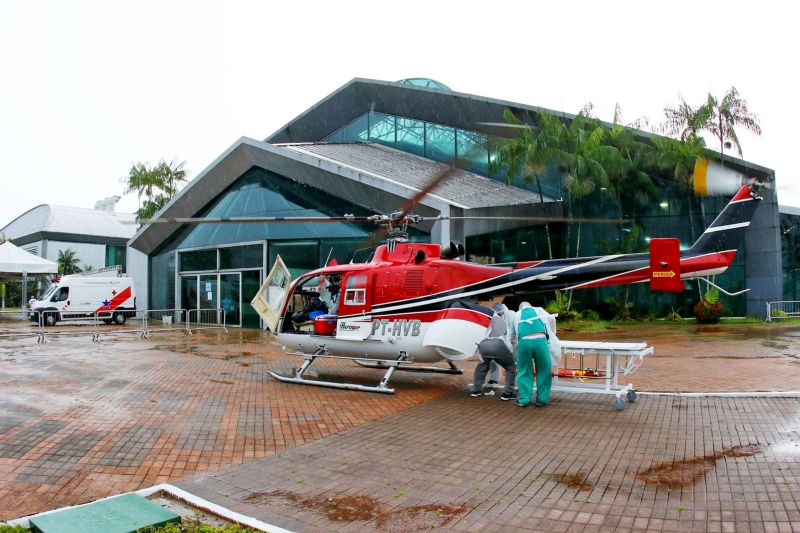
x=532, y=349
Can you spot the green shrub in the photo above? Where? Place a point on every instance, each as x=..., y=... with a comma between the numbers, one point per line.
x=709, y=309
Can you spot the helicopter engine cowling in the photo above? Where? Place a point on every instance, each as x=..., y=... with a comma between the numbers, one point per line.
x=455, y=336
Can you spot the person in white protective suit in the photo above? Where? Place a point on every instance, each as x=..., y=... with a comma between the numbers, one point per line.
x=495, y=347
x=510, y=318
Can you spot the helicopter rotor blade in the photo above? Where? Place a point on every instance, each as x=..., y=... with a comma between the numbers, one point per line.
x=536, y=219
x=221, y=220
x=435, y=180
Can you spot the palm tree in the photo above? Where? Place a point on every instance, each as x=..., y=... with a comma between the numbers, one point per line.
x=158, y=184
x=530, y=154
x=630, y=168
x=725, y=115
x=684, y=121
x=583, y=152
x=67, y=262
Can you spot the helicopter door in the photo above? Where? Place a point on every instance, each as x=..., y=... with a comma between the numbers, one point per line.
x=354, y=300
x=269, y=299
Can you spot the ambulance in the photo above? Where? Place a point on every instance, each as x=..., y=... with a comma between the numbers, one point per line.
x=81, y=296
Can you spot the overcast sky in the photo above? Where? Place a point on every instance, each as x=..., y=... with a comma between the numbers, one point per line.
x=88, y=88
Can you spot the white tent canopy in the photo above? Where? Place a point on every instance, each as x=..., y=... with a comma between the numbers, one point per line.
x=14, y=260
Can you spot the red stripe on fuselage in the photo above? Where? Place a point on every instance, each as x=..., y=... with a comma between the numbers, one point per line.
x=689, y=265
x=431, y=316
x=707, y=261
x=116, y=301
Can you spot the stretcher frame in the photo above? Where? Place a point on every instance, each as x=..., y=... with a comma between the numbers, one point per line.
x=621, y=359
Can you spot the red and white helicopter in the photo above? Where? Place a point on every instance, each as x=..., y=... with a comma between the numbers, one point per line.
x=418, y=303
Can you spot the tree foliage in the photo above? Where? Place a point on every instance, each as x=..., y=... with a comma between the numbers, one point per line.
x=155, y=186
x=719, y=117
x=67, y=262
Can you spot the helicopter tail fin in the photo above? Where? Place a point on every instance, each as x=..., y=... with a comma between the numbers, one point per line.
x=727, y=231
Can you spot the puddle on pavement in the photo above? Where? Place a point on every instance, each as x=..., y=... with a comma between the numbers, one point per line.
x=575, y=481
x=688, y=471
x=362, y=508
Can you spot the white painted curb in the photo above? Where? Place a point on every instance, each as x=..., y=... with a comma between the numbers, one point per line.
x=179, y=494
x=755, y=394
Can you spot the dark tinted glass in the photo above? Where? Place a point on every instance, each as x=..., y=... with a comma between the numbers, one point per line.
x=199, y=260
x=250, y=256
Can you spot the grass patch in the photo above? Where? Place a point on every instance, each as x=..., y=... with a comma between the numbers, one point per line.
x=13, y=529
x=195, y=526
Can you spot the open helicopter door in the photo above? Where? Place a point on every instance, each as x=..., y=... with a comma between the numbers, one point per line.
x=269, y=299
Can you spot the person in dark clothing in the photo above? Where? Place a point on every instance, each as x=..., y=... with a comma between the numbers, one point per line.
x=495, y=347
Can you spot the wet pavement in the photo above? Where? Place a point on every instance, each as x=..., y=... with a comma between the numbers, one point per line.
x=80, y=421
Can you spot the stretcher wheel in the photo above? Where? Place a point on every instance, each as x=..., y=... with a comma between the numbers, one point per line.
x=618, y=404
x=632, y=395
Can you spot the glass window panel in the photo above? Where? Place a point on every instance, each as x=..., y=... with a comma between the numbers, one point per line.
x=115, y=255
x=440, y=143
x=382, y=128
x=162, y=281
x=189, y=299
x=230, y=297
x=358, y=130
x=411, y=136
x=472, y=152
x=298, y=256
x=251, y=282
x=199, y=260
x=250, y=256
x=263, y=193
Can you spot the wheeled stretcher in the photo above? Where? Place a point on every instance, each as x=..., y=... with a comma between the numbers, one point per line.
x=596, y=368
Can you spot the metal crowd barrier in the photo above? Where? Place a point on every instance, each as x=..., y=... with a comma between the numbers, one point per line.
x=783, y=309
x=141, y=322
x=16, y=324
x=156, y=320
x=205, y=319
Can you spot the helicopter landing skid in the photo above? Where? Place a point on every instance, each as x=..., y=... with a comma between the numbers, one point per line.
x=409, y=367
x=298, y=378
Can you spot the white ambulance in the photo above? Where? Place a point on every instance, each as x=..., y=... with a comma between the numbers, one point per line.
x=79, y=296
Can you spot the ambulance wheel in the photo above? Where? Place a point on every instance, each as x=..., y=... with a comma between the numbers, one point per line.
x=632, y=395
x=50, y=319
x=119, y=318
x=618, y=404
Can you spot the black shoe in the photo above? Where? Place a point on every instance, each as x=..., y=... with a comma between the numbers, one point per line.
x=519, y=404
x=540, y=404
x=475, y=394
x=508, y=396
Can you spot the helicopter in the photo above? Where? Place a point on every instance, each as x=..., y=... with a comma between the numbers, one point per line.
x=414, y=304
x=418, y=303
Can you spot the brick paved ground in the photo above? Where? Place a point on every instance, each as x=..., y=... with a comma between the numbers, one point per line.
x=80, y=421
x=482, y=464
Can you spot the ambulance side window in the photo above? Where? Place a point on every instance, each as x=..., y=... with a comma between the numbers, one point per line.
x=61, y=296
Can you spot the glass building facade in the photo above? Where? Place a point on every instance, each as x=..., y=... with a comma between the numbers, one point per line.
x=223, y=265
x=467, y=149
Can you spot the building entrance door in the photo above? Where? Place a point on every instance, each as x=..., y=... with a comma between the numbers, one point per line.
x=211, y=291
